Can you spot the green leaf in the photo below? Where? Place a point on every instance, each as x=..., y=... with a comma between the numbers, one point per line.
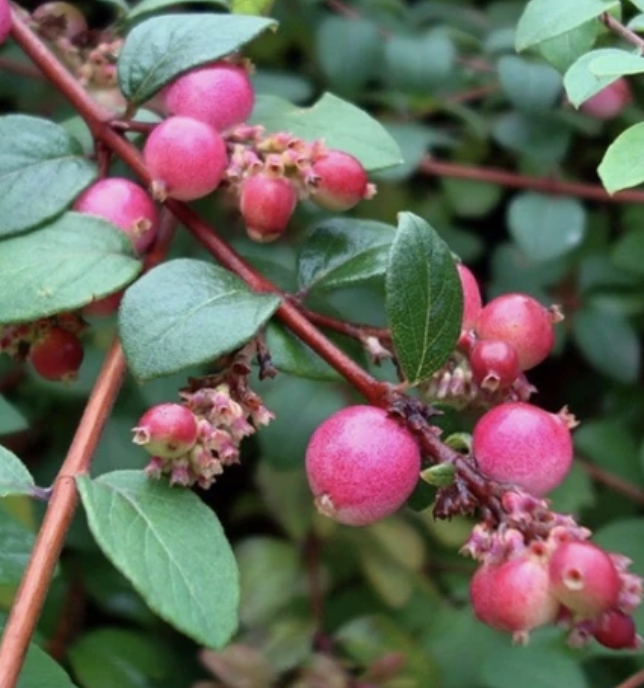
x=562, y=51
x=618, y=63
x=612, y=446
x=63, y=266
x=161, y=48
x=171, y=547
x=625, y=537
x=186, y=312
x=11, y=419
x=341, y=252
x=38, y=155
x=544, y=138
x=581, y=83
x=14, y=476
x=609, y=343
x=424, y=300
x=255, y=7
x=546, y=227
x=545, y=19
x=471, y=198
x=342, y=125
x=17, y=543
x=41, y=671
x=530, y=86
x=150, y=6
x=622, y=165
x=628, y=251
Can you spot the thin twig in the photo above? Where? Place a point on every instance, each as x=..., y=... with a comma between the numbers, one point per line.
x=634, y=681
x=20, y=68
x=612, y=481
x=624, y=32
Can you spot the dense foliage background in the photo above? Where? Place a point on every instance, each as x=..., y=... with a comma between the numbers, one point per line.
x=487, y=135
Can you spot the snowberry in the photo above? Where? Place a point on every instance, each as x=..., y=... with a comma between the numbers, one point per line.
x=56, y=19
x=266, y=204
x=5, y=20
x=514, y=596
x=361, y=465
x=495, y=364
x=57, y=355
x=220, y=95
x=584, y=578
x=342, y=181
x=609, y=102
x=521, y=321
x=472, y=301
x=522, y=444
x=167, y=431
x=616, y=631
x=185, y=157
x=126, y=205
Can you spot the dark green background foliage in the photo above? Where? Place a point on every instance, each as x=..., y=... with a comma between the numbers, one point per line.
x=148, y=577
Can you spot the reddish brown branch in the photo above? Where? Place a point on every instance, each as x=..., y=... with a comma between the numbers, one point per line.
x=634, y=681
x=20, y=68
x=359, y=332
x=624, y=32
x=612, y=481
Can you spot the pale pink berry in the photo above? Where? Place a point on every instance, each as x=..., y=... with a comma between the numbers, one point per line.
x=495, y=364
x=266, y=204
x=584, y=578
x=57, y=19
x=167, y=431
x=342, y=181
x=609, y=102
x=220, y=95
x=617, y=631
x=185, y=157
x=514, y=596
x=57, y=355
x=524, y=445
x=5, y=20
x=126, y=205
x=361, y=465
x=472, y=301
x=521, y=321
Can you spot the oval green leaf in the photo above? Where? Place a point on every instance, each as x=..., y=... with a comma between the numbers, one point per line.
x=171, y=547
x=14, y=476
x=161, y=48
x=188, y=312
x=530, y=86
x=623, y=164
x=63, y=266
x=11, y=419
x=424, y=300
x=151, y=6
x=38, y=155
x=17, y=543
x=581, y=83
x=41, y=671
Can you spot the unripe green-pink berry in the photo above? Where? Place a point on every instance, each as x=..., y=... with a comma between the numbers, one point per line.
x=266, y=204
x=167, y=431
x=342, y=181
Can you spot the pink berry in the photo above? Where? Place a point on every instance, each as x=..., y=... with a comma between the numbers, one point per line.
x=472, y=301
x=5, y=20
x=266, y=204
x=57, y=19
x=342, y=181
x=514, y=596
x=167, y=431
x=361, y=465
x=616, y=631
x=220, y=95
x=524, y=445
x=609, y=102
x=495, y=364
x=57, y=356
x=126, y=205
x=185, y=157
x=521, y=321
x=108, y=305
x=584, y=578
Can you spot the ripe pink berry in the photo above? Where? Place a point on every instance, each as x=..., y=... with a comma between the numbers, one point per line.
x=472, y=301
x=57, y=356
x=5, y=20
x=342, y=181
x=616, y=631
x=220, y=95
x=361, y=465
x=108, y=305
x=584, y=578
x=609, y=102
x=167, y=431
x=126, y=205
x=495, y=364
x=266, y=204
x=185, y=157
x=522, y=444
x=521, y=321
x=514, y=596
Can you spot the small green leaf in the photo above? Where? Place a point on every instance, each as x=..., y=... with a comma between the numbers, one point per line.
x=424, y=300
x=440, y=475
x=628, y=251
x=37, y=156
x=186, y=312
x=544, y=138
x=471, y=198
x=341, y=252
x=14, y=476
x=161, y=48
x=63, y=266
x=11, y=419
x=609, y=343
x=546, y=227
x=171, y=547
x=581, y=83
x=17, y=543
x=618, y=63
x=149, y=6
x=342, y=125
x=254, y=7
x=530, y=86
x=623, y=165
x=545, y=19
x=562, y=51
x=41, y=671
